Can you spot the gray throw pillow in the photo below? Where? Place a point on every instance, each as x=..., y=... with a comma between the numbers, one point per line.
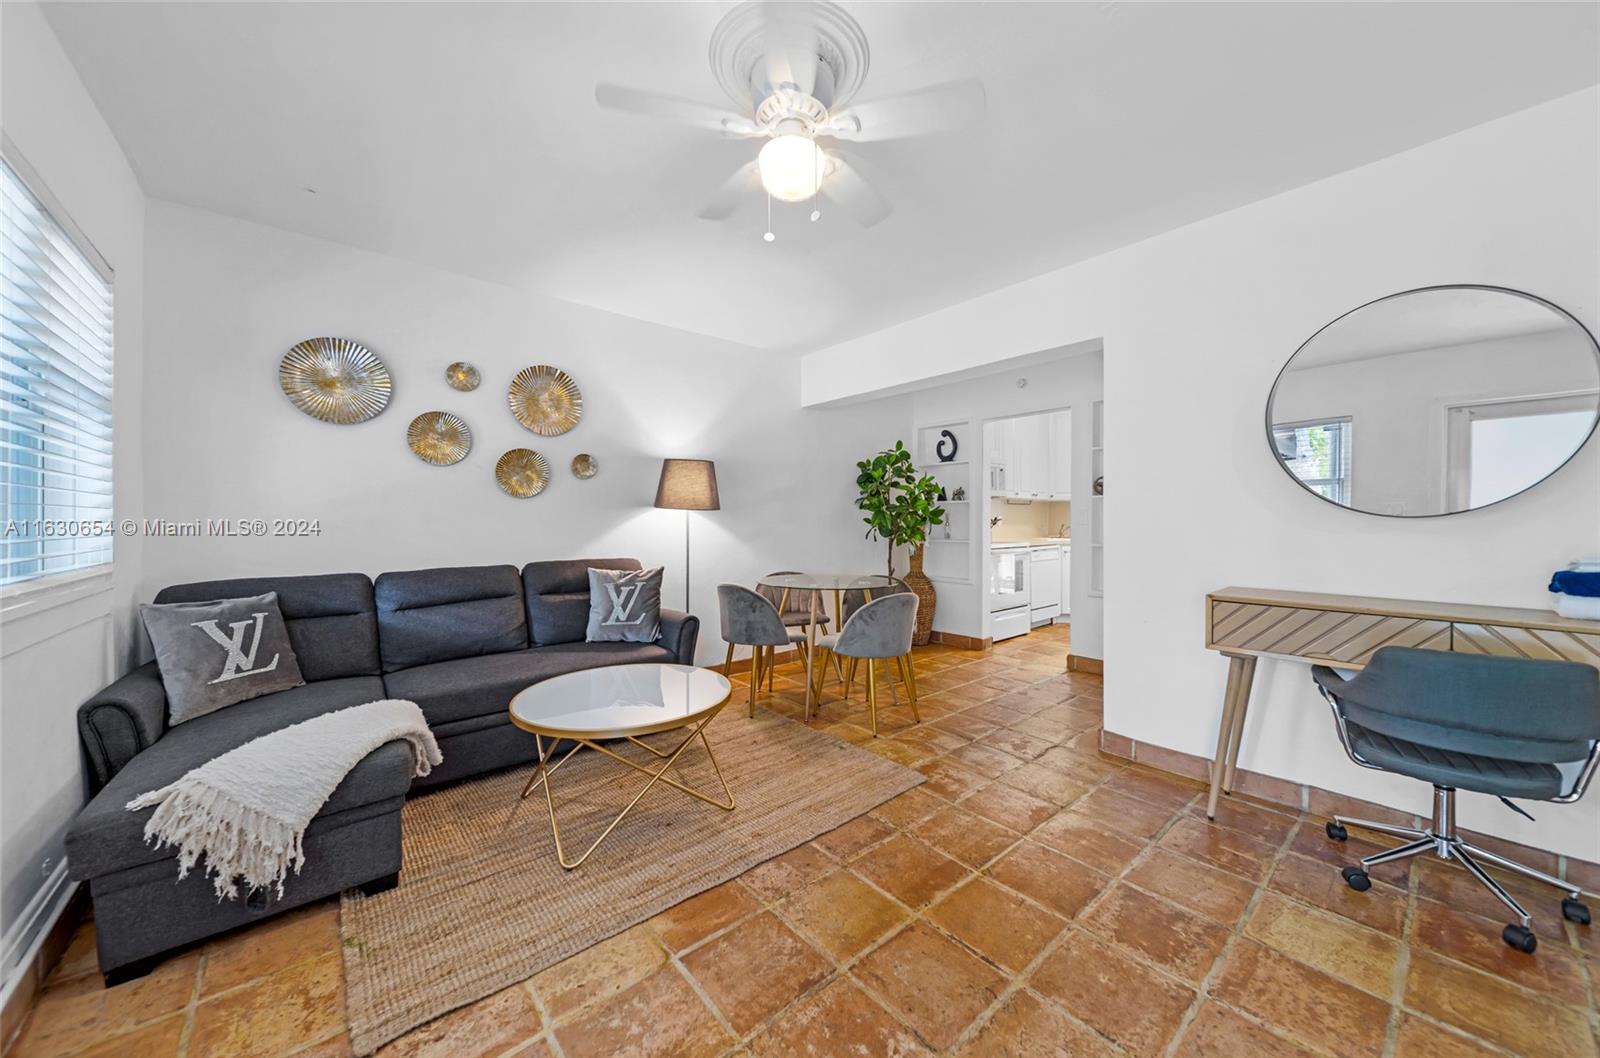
x=214, y=654
x=624, y=606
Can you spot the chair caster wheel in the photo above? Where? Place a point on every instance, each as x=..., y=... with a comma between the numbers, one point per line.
x=1337, y=832
x=1520, y=938
x=1357, y=879
x=1575, y=911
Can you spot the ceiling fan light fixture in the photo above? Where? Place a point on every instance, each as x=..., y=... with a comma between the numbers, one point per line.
x=792, y=167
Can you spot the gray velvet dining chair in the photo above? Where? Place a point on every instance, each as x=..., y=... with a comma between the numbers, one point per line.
x=794, y=605
x=749, y=619
x=879, y=630
x=853, y=600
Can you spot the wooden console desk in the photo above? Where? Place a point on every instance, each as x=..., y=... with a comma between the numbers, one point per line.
x=1343, y=631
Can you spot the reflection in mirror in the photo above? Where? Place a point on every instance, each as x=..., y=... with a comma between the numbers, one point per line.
x=1436, y=401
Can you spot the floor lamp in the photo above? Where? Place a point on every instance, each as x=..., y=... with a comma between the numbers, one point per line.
x=687, y=485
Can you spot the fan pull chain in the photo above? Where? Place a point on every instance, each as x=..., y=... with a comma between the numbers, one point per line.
x=816, y=186
x=768, y=237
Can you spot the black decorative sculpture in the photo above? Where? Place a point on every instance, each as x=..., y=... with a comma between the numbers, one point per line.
x=945, y=457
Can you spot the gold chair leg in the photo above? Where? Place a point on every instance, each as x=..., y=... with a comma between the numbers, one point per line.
x=727, y=662
x=903, y=663
x=872, y=696
x=815, y=679
x=772, y=665
x=888, y=679
x=755, y=677
x=849, y=678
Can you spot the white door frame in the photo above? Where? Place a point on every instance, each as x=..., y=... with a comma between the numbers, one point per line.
x=1459, y=416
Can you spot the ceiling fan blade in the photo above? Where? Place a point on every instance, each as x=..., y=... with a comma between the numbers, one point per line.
x=683, y=111
x=932, y=109
x=845, y=185
x=745, y=179
x=790, y=38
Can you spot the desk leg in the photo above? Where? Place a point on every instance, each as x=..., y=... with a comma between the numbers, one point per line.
x=1224, y=729
x=1247, y=675
x=1235, y=700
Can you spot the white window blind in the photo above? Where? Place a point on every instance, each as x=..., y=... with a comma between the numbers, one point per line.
x=55, y=393
x=1318, y=453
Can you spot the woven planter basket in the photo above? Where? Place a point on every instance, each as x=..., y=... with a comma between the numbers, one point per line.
x=922, y=588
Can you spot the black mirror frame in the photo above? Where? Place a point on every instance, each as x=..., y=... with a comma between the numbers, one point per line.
x=1593, y=427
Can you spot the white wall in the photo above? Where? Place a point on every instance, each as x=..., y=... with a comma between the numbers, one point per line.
x=228, y=297
x=1196, y=324
x=52, y=657
x=1070, y=379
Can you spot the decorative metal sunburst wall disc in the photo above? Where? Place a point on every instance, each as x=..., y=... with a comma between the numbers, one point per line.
x=546, y=400
x=335, y=379
x=463, y=376
x=522, y=472
x=584, y=466
x=439, y=437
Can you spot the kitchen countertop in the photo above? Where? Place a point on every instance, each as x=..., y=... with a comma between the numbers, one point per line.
x=1038, y=541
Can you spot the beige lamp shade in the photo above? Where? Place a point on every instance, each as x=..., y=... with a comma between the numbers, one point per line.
x=688, y=485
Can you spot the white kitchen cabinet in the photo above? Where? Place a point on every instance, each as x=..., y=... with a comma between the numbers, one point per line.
x=1058, y=482
x=1028, y=457
x=994, y=441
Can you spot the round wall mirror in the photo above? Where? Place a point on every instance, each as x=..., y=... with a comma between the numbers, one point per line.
x=1436, y=401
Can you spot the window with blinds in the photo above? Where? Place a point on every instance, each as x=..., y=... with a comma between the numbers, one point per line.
x=1318, y=453
x=55, y=393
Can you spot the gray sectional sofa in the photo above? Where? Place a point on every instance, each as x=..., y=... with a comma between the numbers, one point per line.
x=459, y=642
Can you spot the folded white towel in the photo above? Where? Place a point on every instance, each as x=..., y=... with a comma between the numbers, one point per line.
x=247, y=810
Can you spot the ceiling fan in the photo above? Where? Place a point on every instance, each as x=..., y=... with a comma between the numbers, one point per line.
x=792, y=69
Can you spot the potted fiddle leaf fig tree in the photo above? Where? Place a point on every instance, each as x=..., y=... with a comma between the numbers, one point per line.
x=898, y=506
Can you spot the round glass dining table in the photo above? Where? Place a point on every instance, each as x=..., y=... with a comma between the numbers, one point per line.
x=813, y=585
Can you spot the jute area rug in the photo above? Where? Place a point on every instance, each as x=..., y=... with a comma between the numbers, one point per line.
x=482, y=902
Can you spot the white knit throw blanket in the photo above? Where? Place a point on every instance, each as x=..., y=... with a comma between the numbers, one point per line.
x=247, y=810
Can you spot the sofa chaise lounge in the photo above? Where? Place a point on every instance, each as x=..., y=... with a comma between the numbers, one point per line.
x=459, y=642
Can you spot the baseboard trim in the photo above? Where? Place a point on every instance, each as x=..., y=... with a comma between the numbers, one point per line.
x=1079, y=663
x=1303, y=797
x=26, y=976
x=956, y=639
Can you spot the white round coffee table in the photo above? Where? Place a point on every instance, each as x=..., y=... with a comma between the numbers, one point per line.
x=621, y=702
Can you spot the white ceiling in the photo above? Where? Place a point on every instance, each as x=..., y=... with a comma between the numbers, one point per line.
x=467, y=136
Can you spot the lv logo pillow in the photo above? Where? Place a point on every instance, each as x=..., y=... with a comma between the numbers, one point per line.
x=624, y=606
x=214, y=654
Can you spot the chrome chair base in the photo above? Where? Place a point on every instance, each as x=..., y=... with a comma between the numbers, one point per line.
x=1444, y=842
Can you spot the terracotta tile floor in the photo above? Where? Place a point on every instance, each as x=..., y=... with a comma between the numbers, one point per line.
x=1031, y=899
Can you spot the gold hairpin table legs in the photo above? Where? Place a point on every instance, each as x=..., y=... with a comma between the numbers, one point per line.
x=668, y=758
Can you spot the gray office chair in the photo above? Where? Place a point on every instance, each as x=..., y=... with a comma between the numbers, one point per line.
x=880, y=630
x=749, y=619
x=1509, y=727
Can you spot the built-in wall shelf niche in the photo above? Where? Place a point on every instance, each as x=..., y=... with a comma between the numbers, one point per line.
x=1097, y=502
x=950, y=555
